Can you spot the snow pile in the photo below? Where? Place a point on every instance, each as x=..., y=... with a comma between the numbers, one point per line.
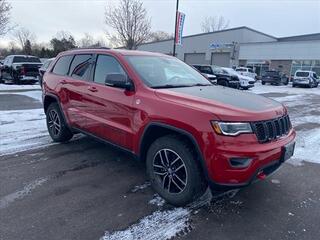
x=307, y=147
x=157, y=200
x=22, y=130
x=6, y=87
x=160, y=225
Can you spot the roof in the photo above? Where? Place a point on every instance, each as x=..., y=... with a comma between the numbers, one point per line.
x=208, y=33
x=306, y=37
x=123, y=52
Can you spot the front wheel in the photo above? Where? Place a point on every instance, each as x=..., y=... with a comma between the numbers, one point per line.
x=173, y=170
x=56, y=125
x=263, y=83
x=223, y=83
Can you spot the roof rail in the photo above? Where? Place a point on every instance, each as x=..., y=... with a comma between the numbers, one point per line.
x=84, y=48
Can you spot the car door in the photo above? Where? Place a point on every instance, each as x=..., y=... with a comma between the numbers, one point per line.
x=110, y=109
x=5, y=71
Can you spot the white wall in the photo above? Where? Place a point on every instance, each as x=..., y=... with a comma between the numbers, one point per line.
x=291, y=50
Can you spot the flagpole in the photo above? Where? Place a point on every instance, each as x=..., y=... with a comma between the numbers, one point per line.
x=175, y=30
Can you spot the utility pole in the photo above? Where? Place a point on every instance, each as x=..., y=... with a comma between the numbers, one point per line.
x=175, y=30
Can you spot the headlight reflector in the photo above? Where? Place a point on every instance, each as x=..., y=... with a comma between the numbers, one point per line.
x=231, y=128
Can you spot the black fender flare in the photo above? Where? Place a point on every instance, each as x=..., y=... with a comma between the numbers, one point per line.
x=183, y=132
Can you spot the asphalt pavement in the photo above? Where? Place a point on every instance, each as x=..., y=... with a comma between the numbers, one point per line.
x=81, y=189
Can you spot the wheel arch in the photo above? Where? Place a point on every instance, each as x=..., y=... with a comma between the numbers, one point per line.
x=156, y=130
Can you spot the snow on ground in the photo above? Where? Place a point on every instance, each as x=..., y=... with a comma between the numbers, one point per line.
x=23, y=130
x=259, y=88
x=8, y=87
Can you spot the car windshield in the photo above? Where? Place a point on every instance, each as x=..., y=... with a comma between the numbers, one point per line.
x=230, y=71
x=302, y=74
x=166, y=72
x=20, y=59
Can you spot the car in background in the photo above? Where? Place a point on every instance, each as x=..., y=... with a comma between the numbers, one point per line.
x=274, y=77
x=305, y=78
x=19, y=69
x=245, y=81
x=247, y=72
x=43, y=69
x=223, y=78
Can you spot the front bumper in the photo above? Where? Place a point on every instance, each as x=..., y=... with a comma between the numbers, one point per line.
x=264, y=158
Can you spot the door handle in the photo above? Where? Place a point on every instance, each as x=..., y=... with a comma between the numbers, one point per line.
x=63, y=81
x=92, y=89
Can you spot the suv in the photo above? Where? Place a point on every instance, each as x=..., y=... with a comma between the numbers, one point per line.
x=222, y=77
x=20, y=69
x=189, y=133
x=246, y=72
x=274, y=77
x=305, y=78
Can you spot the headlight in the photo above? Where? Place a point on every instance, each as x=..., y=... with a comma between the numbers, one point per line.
x=231, y=128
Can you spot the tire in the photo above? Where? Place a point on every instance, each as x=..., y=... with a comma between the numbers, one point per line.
x=164, y=177
x=223, y=83
x=263, y=83
x=293, y=85
x=245, y=88
x=57, y=127
x=286, y=82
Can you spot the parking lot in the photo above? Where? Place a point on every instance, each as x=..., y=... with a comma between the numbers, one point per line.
x=87, y=190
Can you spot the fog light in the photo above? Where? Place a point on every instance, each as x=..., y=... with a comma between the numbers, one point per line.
x=240, y=162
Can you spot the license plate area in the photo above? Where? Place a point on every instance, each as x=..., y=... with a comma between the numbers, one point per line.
x=288, y=151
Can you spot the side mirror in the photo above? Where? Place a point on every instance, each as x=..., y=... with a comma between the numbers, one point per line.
x=119, y=80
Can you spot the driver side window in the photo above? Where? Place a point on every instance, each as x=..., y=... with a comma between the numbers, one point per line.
x=106, y=65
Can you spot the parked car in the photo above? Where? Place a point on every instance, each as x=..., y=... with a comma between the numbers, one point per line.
x=222, y=77
x=274, y=77
x=43, y=69
x=305, y=78
x=20, y=69
x=189, y=132
x=247, y=72
x=245, y=81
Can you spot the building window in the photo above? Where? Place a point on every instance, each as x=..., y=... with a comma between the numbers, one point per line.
x=307, y=65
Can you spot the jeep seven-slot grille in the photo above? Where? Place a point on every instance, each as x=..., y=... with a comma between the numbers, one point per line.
x=269, y=130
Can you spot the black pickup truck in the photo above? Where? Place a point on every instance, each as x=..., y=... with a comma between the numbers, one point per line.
x=221, y=77
x=20, y=69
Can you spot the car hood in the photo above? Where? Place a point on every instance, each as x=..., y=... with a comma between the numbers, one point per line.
x=224, y=103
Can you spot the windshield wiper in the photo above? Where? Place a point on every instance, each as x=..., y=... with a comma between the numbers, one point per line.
x=201, y=84
x=171, y=86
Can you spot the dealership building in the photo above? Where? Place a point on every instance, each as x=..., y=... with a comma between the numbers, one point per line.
x=244, y=46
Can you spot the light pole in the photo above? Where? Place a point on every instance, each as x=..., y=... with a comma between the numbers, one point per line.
x=175, y=30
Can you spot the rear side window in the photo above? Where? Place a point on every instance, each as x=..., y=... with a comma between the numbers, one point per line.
x=80, y=66
x=241, y=70
x=62, y=65
x=106, y=65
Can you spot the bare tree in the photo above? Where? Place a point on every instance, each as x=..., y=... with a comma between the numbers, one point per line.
x=131, y=24
x=5, y=8
x=160, y=35
x=22, y=36
x=213, y=23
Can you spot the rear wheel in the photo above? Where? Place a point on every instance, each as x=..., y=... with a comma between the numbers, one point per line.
x=56, y=125
x=223, y=83
x=263, y=83
x=173, y=170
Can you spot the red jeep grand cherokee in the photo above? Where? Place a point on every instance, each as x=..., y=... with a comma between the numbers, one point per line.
x=190, y=133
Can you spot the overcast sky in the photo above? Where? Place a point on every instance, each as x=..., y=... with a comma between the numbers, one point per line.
x=274, y=17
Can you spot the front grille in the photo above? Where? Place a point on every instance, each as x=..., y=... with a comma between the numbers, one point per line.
x=269, y=130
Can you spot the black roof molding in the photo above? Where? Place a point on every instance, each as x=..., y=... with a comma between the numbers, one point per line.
x=224, y=30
